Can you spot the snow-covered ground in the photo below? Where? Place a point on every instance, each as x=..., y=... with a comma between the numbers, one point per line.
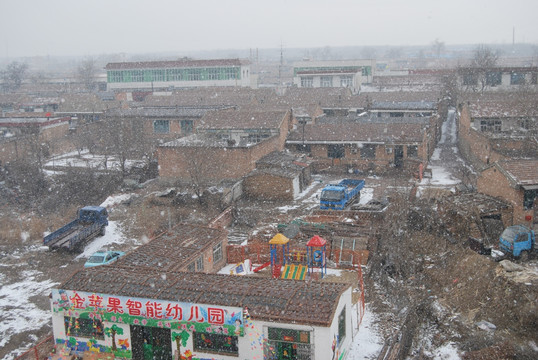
x=18, y=313
x=87, y=160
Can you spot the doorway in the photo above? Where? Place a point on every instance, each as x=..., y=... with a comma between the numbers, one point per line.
x=398, y=155
x=151, y=343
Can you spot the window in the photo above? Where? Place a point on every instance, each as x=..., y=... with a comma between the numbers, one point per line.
x=336, y=151
x=326, y=81
x=342, y=325
x=186, y=126
x=215, y=343
x=290, y=343
x=217, y=253
x=528, y=198
x=534, y=78
x=200, y=264
x=193, y=74
x=493, y=78
x=213, y=74
x=517, y=78
x=89, y=328
x=490, y=125
x=191, y=267
x=161, y=126
x=412, y=151
x=368, y=151
x=346, y=81
x=307, y=82
x=470, y=79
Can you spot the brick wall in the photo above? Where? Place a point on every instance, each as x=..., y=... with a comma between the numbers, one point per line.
x=213, y=163
x=494, y=183
x=270, y=187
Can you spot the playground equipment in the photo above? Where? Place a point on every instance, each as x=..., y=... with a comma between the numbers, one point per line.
x=277, y=262
x=316, y=249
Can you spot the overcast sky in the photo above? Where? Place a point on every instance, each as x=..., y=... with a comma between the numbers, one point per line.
x=94, y=27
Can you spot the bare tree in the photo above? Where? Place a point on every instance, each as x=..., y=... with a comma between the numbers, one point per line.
x=483, y=61
x=14, y=75
x=86, y=72
x=438, y=47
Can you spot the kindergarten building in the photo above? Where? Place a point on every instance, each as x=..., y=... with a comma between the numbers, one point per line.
x=164, y=301
x=142, y=313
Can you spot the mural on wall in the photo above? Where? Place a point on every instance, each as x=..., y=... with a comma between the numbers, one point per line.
x=86, y=313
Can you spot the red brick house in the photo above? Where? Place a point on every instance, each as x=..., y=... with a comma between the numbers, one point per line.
x=515, y=181
x=495, y=127
x=226, y=145
x=375, y=146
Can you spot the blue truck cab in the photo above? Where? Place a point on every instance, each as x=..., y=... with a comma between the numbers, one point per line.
x=517, y=241
x=90, y=222
x=338, y=196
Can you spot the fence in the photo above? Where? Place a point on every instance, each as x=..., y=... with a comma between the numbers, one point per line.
x=40, y=351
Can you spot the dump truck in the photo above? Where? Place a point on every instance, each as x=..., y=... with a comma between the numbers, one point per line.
x=91, y=221
x=337, y=197
x=518, y=241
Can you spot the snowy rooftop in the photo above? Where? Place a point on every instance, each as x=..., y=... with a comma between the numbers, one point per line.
x=312, y=303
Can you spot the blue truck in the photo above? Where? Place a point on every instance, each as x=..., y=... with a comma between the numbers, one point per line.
x=337, y=197
x=91, y=221
x=518, y=241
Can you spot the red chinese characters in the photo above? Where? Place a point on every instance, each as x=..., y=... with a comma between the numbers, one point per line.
x=114, y=305
x=78, y=301
x=95, y=300
x=174, y=312
x=133, y=307
x=154, y=310
x=215, y=316
x=195, y=315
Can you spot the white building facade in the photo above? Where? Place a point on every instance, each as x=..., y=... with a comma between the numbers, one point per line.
x=345, y=73
x=169, y=75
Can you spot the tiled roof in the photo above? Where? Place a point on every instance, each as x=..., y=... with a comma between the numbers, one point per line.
x=172, y=250
x=278, y=300
x=364, y=132
x=522, y=172
x=242, y=119
x=195, y=112
x=80, y=103
x=210, y=96
x=502, y=104
x=173, y=64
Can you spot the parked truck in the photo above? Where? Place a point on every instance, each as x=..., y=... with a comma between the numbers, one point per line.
x=337, y=197
x=90, y=222
x=518, y=241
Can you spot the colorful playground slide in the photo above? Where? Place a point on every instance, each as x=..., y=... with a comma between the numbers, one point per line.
x=292, y=271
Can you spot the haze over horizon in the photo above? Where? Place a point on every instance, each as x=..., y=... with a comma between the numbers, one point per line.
x=83, y=28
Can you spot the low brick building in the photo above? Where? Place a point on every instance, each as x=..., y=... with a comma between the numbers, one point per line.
x=364, y=145
x=226, y=146
x=495, y=127
x=278, y=176
x=515, y=181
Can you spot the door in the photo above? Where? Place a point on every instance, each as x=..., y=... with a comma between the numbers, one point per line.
x=151, y=343
x=398, y=155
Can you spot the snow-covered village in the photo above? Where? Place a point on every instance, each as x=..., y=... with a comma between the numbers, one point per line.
x=309, y=202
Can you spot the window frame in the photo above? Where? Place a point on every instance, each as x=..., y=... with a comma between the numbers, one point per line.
x=336, y=151
x=161, y=128
x=86, y=330
x=368, y=151
x=217, y=253
x=197, y=341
